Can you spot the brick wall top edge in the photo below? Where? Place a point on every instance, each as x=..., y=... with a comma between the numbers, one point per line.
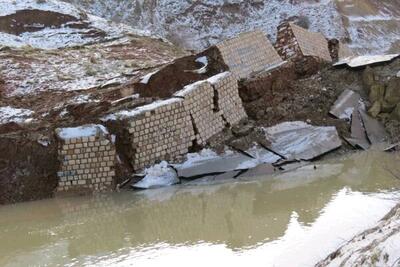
x=81, y=131
x=191, y=87
x=140, y=111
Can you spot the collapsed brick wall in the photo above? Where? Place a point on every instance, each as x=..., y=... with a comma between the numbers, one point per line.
x=296, y=42
x=286, y=43
x=159, y=131
x=199, y=103
x=248, y=53
x=167, y=129
x=228, y=100
x=87, y=161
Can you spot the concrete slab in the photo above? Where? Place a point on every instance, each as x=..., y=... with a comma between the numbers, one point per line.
x=360, y=61
x=345, y=104
x=221, y=164
x=359, y=137
x=375, y=130
x=301, y=141
x=262, y=154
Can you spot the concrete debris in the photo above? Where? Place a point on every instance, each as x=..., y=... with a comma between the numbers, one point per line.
x=375, y=130
x=345, y=105
x=358, y=137
x=221, y=164
x=301, y=141
x=360, y=61
x=263, y=155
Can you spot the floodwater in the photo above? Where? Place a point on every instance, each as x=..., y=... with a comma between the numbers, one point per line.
x=292, y=219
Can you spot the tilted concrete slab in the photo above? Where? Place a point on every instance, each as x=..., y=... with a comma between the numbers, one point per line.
x=375, y=130
x=301, y=141
x=359, y=137
x=360, y=61
x=259, y=171
x=345, y=104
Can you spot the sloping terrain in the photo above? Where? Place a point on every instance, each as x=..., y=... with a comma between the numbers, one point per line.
x=370, y=26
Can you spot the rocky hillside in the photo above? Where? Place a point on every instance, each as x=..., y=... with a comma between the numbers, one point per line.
x=197, y=24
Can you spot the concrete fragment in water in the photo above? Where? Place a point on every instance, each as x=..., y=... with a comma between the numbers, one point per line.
x=299, y=140
x=158, y=176
x=375, y=130
x=345, y=104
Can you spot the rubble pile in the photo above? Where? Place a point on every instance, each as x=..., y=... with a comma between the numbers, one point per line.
x=261, y=107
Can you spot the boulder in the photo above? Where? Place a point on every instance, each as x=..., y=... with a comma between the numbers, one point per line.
x=377, y=92
x=392, y=94
x=375, y=109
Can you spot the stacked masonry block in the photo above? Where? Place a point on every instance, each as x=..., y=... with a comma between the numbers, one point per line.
x=87, y=157
x=248, y=53
x=159, y=131
x=229, y=101
x=199, y=103
x=296, y=42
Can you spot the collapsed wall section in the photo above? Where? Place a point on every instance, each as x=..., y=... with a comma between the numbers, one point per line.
x=87, y=156
x=199, y=103
x=294, y=41
x=228, y=100
x=158, y=131
x=248, y=53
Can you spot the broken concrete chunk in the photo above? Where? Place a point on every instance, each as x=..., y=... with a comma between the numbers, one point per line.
x=358, y=135
x=345, y=104
x=375, y=130
x=299, y=140
x=220, y=164
x=376, y=92
x=392, y=94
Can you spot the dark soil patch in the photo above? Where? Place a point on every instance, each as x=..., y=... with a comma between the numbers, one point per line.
x=181, y=72
x=27, y=168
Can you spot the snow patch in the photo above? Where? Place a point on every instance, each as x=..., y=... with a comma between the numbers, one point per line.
x=159, y=175
x=82, y=131
x=17, y=115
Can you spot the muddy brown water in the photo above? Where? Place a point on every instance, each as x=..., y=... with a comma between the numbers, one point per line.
x=292, y=219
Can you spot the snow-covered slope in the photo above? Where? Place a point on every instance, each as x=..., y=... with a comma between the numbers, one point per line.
x=371, y=25
x=50, y=24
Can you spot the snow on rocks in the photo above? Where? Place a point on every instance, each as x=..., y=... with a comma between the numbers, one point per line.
x=17, y=115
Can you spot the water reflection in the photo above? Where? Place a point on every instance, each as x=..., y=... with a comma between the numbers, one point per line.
x=266, y=216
